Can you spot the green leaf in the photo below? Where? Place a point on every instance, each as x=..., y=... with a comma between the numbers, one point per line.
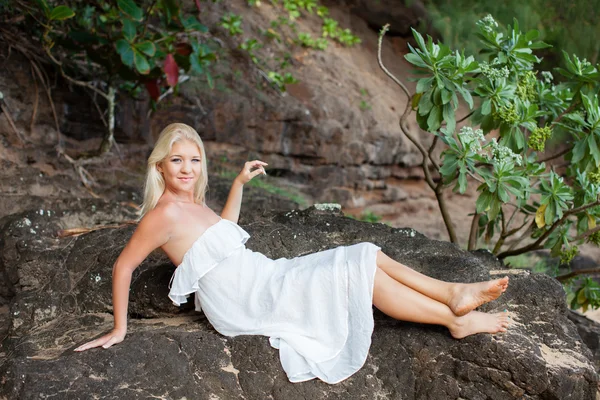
x=147, y=48
x=196, y=64
x=448, y=169
x=539, y=45
x=425, y=104
x=419, y=39
x=462, y=181
x=467, y=96
x=424, y=84
x=141, y=63
x=486, y=107
x=434, y=120
x=449, y=117
x=415, y=60
x=192, y=24
x=129, y=29
x=125, y=51
x=61, y=13
x=550, y=213
x=495, y=207
x=503, y=194
x=578, y=151
x=446, y=96
x=483, y=202
x=594, y=149
x=131, y=9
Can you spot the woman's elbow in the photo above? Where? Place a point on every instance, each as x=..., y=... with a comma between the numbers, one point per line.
x=120, y=269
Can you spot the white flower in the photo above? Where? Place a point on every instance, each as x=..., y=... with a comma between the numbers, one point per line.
x=488, y=23
x=547, y=75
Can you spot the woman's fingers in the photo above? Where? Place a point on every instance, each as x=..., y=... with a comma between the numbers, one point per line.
x=110, y=342
x=256, y=164
x=92, y=344
x=248, y=172
x=105, y=341
x=257, y=171
x=259, y=165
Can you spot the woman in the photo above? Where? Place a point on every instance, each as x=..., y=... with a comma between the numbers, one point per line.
x=316, y=309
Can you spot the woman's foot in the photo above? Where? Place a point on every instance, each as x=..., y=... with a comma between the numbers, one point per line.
x=478, y=322
x=468, y=296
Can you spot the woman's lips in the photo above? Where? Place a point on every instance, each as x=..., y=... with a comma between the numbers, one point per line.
x=185, y=179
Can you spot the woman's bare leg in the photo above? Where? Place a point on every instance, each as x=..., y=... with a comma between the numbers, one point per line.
x=401, y=302
x=460, y=297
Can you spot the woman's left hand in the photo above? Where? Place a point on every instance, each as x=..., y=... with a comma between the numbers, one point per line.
x=250, y=170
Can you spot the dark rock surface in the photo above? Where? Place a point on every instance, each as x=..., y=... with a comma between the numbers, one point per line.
x=61, y=298
x=589, y=331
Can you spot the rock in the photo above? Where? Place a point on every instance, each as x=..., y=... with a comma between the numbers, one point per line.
x=589, y=331
x=175, y=353
x=401, y=15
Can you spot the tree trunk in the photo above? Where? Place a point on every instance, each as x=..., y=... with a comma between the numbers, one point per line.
x=109, y=138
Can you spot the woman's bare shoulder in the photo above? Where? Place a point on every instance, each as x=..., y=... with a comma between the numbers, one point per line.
x=163, y=213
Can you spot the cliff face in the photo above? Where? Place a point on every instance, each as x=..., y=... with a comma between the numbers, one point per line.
x=336, y=132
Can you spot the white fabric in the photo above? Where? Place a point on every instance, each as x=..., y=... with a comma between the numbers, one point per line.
x=316, y=309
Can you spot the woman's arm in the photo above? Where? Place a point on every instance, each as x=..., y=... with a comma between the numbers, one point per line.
x=149, y=235
x=231, y=211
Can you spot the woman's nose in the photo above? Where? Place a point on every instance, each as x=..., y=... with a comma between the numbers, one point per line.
x=186, y=166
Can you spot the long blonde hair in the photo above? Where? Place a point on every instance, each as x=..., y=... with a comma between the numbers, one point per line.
x=155, y=183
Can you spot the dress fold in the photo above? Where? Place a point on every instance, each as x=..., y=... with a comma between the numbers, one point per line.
x=316, y=309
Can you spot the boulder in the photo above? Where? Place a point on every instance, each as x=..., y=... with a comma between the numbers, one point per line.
x=172, y=352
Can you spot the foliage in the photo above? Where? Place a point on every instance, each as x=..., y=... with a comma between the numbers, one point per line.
x=367, y=216
x=144, y=42
x=307, y=41
x=118, y=46
x=557, y=208
x=282, y=80
x=364, y=104
x=370, y=216
x=284, y=30
x=588, y=295
x=232, y=23
x=566, y=26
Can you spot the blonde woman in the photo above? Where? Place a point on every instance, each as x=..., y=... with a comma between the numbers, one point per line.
x=316, y=309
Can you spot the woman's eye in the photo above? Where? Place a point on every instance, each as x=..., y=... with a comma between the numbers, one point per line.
x=196, y=160
x=175, y=160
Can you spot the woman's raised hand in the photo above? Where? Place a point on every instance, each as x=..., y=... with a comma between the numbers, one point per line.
x=114, y=337
x=250, y=170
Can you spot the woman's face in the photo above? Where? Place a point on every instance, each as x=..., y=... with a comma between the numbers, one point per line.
x=181, y=168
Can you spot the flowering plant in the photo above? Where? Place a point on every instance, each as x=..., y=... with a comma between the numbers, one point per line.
x=527, y=200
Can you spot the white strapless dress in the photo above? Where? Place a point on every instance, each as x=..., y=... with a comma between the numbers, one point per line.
x=316, y=309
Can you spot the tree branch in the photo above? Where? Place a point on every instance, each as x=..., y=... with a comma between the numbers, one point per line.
x=585, y=234
x=406, y=131
x=537, y=243
x=560, y=154
x=10, y=121
x=465, y=117
x=473, y=233
x=589, y=271
x=430, y=152
x=72, y=80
